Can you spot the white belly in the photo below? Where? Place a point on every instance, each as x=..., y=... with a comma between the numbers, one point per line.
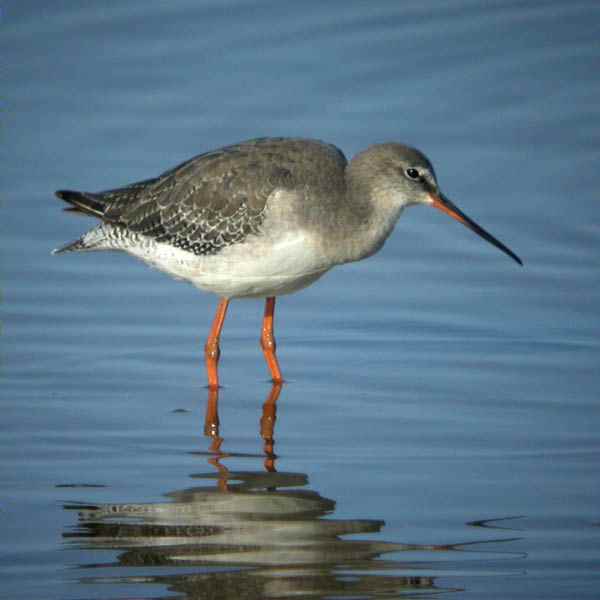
x=254, y=268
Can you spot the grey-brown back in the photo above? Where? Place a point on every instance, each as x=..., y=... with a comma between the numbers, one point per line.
x=219, y=198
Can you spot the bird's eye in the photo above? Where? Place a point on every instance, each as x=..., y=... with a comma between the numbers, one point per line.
x=413, y=174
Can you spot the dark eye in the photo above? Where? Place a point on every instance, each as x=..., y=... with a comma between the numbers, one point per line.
x=413, y=174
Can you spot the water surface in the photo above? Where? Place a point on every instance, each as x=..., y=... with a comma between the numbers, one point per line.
x=439, y=429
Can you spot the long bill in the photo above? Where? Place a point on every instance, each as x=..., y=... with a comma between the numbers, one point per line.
x=442, y=203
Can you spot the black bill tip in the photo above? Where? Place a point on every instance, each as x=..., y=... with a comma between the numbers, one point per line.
x=442, y=203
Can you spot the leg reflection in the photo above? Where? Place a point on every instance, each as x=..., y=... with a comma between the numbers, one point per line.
x=211, y=430
x=267, y=430
x=267, y=426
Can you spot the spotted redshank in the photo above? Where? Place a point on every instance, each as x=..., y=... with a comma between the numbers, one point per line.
x=263, y=218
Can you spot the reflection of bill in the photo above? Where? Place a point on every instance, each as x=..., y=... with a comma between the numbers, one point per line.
x=271, y=535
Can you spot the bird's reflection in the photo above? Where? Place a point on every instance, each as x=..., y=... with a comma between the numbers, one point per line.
x=249, y=534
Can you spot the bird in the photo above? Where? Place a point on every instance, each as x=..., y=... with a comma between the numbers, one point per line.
x=263, y=218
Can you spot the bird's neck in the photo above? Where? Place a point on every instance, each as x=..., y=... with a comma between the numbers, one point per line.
x=371, y=212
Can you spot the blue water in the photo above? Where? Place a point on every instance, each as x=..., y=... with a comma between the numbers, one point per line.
x=439, y=431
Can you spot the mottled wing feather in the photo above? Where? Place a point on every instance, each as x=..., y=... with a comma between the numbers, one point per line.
x=218, y=198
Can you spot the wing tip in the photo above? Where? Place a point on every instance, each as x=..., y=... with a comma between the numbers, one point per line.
x=82, y=202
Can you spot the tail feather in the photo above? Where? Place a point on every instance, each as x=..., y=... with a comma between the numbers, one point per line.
x=70, y=247
x=98, y=238
x=83, y=202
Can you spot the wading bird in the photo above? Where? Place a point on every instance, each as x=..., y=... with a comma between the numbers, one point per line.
x=263, y=218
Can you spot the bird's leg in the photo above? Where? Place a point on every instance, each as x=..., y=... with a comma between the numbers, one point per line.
x=211, y=349
x=211, y=419
x=267, y=341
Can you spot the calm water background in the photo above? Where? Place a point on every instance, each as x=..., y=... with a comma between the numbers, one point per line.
x=440, y=431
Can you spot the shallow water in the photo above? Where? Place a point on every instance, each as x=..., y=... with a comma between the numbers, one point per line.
x=439, y=429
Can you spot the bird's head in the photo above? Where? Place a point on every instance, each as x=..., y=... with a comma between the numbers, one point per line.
x=402, y=176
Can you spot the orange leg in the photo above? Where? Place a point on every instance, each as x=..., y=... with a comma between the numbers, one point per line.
x=211, y=349
x=211, y=418
x=267, y=341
